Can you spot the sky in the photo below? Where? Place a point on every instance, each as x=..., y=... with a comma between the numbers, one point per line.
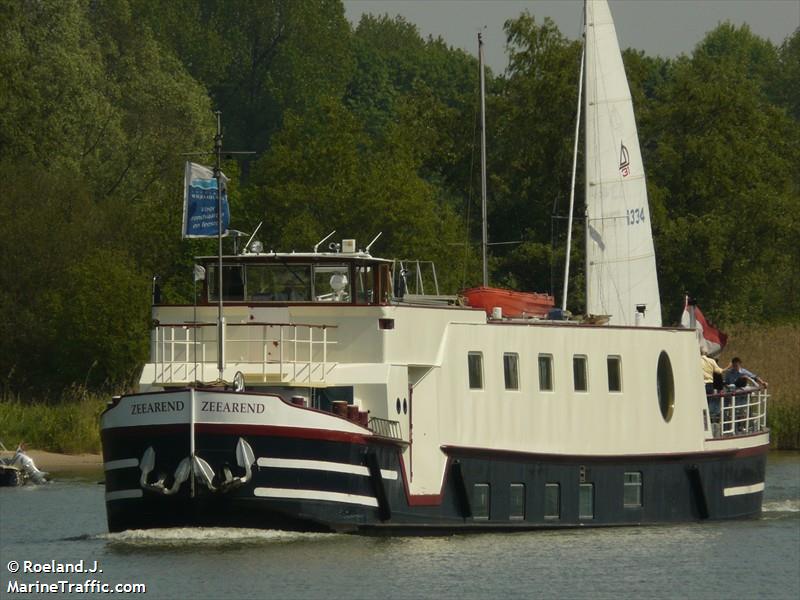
x=659, y=27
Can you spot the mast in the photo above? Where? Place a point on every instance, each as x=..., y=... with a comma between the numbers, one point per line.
x=218, y=177
x=572, y=185
x=485, y=234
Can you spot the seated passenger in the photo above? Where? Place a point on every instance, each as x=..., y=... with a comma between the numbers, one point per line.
x=735, y=374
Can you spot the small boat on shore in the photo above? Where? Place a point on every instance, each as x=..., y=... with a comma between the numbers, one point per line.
x=304, y=391
x=20, y=469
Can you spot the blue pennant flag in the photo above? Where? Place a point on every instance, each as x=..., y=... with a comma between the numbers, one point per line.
x=200, y=202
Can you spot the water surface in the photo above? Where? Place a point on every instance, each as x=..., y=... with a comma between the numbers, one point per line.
x=65, y=521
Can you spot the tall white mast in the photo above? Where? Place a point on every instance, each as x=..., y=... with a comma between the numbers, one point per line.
x=572, y=185
x=485, y=237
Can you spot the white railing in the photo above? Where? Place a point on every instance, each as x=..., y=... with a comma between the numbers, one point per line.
x=739, y=412
x=268, y=352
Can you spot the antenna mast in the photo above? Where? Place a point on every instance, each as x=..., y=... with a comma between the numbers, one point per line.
x=218, y=177
x=485, y=233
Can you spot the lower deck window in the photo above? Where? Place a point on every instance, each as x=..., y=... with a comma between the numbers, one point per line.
x=586, y=501
x=552, y=501
x=480, y=501
x=633, y=489
x=517, y=501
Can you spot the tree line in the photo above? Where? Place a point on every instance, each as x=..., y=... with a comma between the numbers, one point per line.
x=361, y=129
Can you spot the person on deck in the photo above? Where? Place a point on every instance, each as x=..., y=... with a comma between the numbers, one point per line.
x=736, y=374
x=710, y=368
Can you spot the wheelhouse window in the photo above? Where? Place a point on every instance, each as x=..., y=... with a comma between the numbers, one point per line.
x=232, y=283
x=278, y=283
x=511, y=370
x=580, y=377
x=475, y=366
x=366, y=285
x=517, y=501
x=614, y=373
x=552, y=501
x=586, y=501
x=632, y=496
x=331, y=283
x=480, y=501
x=546, y=372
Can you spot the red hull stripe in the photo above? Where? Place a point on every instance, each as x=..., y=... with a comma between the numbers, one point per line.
x=258, y=430
x=512, y=455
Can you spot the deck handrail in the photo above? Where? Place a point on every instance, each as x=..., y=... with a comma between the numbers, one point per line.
x=282, y=352
x=741, y=411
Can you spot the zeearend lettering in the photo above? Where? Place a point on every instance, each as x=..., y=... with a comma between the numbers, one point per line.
x=156, y=407
x=233, y=407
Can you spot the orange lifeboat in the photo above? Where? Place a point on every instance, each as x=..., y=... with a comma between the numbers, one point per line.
x=513, y=303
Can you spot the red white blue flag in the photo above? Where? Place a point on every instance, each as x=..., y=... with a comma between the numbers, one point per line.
x=709, y=338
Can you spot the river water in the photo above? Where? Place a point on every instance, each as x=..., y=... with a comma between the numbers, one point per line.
x=65, y=521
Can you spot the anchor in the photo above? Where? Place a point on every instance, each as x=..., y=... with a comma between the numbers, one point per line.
x=204, y=472
x=148, y=463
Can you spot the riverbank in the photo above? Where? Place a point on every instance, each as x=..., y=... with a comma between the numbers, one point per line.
x=70, y=426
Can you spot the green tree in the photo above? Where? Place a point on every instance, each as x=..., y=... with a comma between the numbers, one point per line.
x=726, y=156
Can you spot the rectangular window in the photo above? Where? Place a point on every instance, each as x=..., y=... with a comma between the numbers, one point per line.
x=517, y=501
x=278, y=283
x=331, y=283
x=614, y=374
x=546, y=372
x=552, y=501
x=510, y=370
x=586, y=501
x=579, y=373
x=633, y=489
x=480, y=501
x=232, y=283
x=475, y=365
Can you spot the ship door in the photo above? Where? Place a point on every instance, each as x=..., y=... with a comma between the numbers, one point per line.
x=411, y=431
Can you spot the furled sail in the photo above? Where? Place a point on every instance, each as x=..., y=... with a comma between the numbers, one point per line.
x=620, y=259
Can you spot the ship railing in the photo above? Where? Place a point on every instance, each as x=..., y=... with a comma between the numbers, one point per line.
x=385, y=428
x=738, y=412
x=267, y=352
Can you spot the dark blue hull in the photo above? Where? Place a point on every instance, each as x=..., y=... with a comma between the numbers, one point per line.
x=365, y=489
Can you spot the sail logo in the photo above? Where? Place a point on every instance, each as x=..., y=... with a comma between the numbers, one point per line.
x=624, y=160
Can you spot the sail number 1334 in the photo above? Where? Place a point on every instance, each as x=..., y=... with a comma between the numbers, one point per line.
x=635, y=216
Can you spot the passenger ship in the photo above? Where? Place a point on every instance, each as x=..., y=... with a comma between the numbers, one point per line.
x=356, y=406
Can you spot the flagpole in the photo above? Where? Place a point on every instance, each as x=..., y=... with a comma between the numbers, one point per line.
x=218, y=177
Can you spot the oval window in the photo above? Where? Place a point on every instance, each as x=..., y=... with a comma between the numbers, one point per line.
x=665, y=387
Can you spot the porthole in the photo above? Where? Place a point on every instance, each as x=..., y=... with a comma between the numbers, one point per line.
x=398, y=406
x=405, y=406
x=665, y=387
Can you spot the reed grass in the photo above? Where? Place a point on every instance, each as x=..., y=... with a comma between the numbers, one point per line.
x=69, y=426
x=773, y=353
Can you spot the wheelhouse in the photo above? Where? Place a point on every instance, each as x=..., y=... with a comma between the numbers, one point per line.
x=297, y=278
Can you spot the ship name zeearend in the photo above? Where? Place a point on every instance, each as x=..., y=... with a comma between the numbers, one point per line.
x=233, y=407
x=156, y=407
